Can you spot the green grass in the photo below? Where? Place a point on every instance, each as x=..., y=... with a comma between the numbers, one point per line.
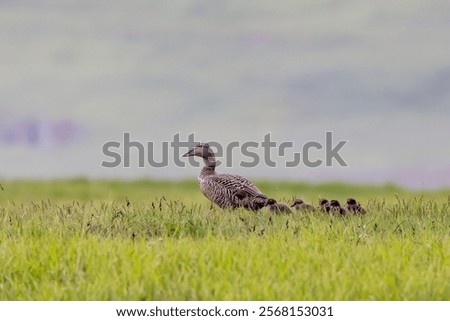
x=161, y=240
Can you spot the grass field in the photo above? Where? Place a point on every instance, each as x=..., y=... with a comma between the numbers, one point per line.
x=162, y=240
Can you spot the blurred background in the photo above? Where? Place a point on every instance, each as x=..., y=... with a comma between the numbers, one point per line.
x=76, y=74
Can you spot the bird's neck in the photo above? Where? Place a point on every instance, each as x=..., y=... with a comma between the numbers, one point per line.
x=210, y=160
x=207, y=171
x=209, y=168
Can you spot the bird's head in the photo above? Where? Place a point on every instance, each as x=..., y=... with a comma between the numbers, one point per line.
x=335, y=203
x=201, y=150
x=204, y=151
x=298, y=201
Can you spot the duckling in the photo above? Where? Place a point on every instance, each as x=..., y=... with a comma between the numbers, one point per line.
x=353, y=206
x=335, y=208
x=324, y=205
x=276, y=207
x=300, y=205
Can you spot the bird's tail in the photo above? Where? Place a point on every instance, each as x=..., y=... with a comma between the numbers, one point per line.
x=256, y=203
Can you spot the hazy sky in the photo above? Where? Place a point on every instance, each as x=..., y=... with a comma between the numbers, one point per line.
x=76, y=74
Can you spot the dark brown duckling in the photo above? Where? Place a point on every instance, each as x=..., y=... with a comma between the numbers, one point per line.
x=300, y=205
x=335, y=208
x=324, y=205
x=353, y=206
x=276, y=207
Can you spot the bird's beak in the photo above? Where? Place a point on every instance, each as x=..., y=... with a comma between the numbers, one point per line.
x=189, y=153
x=293, y=205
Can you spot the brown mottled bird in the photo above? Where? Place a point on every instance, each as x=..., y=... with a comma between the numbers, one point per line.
x=276, y=207
x=353, y=206
x=225, y=190
x=300, y=205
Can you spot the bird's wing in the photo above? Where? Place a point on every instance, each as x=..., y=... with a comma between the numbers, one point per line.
x=236, y=184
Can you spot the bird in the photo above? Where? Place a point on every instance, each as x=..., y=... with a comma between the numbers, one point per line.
x=335, y=208
x=300, y=205
x=276, y=207
x=225, y=190
x=324, y=205
x=353, y=206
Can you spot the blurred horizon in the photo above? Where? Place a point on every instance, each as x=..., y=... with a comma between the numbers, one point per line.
x=77, y=74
